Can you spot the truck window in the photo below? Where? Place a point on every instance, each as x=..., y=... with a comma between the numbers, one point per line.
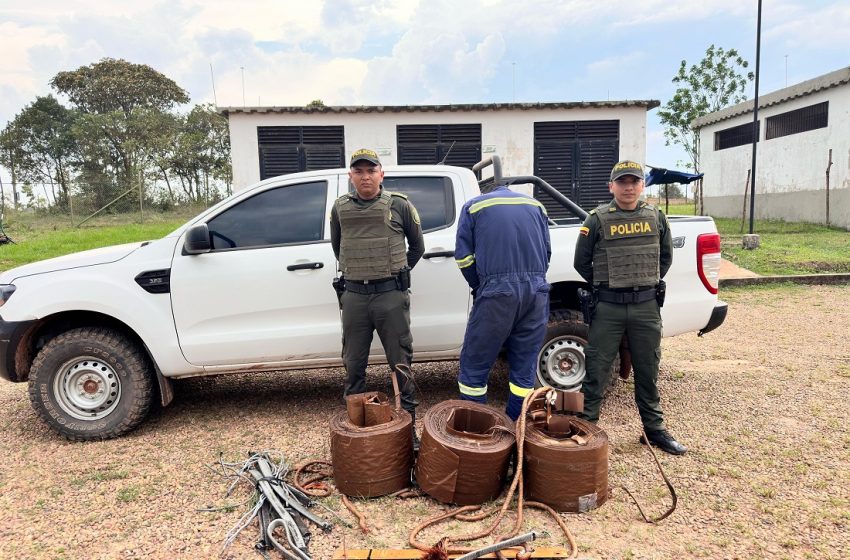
x=433, y=198
x=290, y=214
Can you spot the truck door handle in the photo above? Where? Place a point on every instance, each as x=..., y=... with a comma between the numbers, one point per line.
x=305, y=266
x=436, y=254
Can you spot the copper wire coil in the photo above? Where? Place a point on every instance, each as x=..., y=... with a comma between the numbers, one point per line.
x=465, y=450
x=371, y=460
x=565, y=462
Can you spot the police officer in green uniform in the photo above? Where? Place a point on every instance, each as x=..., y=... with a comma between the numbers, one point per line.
x=368, y=231
x=624, y=250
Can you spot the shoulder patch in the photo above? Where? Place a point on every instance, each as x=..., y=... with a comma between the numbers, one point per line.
x=398, y=194
x=592, y=211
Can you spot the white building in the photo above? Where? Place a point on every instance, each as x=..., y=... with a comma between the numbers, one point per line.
x=798, y=126
x=573, y=146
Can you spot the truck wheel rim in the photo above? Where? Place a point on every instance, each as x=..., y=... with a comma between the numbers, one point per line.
x=561, y=363
x=87, y=388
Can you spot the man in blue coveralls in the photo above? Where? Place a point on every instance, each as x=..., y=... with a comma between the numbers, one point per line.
x=503, y=251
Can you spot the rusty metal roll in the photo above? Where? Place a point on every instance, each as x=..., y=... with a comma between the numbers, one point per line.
x=464, y=454
x=371, y=447
x=565, y=462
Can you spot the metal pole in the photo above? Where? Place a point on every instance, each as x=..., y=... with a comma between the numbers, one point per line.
x=828, y=165
x=242, y=68
x=755, y=122
x=141, y=198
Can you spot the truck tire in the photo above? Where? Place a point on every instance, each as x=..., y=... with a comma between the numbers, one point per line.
x=561, y=362
x=91, y=384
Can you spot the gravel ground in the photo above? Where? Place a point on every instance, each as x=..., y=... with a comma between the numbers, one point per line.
x=761, y=403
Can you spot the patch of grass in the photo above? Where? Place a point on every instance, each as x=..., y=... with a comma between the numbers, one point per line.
x=129, y=494
x=785, y=247
x=38, y=237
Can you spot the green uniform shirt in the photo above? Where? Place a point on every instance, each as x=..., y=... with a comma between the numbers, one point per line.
x=590, y=235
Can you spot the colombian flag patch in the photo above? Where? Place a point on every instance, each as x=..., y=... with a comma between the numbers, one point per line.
x=585, y=231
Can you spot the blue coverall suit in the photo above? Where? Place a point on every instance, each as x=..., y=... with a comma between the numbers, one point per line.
x=503, y=251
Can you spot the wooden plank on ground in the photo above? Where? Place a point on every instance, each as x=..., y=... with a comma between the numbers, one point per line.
x=413, y=554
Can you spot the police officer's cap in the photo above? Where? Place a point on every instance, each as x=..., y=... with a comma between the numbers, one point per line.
x=364, y=154
x=626, y=167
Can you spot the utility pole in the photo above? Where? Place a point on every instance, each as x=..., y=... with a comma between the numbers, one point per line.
x=751, y=241
x=513, y=72
x=242, y=68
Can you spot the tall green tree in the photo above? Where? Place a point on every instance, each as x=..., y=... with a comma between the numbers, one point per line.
x=717, y=81
x=46, y=148
x=202, y=153
x=123, y=113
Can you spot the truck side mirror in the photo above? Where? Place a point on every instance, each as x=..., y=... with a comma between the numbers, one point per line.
x=197, y=240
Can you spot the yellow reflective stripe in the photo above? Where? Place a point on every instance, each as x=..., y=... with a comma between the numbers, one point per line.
x=504, y=201
x=465, y=261
x=519, y=391
x=472, y=391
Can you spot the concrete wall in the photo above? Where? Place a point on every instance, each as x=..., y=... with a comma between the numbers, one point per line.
x=508, y=133
x=791, y=170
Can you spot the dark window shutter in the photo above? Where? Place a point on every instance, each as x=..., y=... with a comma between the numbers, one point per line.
x=457, y=144
x=289, y=149
x=797, y=121
x=576, y=158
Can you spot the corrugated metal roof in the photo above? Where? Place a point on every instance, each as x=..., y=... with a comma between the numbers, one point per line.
x=646, y=103
x=826, y=81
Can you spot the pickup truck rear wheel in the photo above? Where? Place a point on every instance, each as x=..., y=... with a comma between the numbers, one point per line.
x=91, y=384
x=561, y=363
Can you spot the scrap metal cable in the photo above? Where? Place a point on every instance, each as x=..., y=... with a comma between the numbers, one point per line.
x=669, y=484
x=462, y=514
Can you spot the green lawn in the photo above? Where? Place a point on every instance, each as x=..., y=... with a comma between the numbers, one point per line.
x=38, y=237
x=786, y=247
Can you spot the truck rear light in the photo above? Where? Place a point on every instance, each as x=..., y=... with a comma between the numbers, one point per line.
x=708, y=260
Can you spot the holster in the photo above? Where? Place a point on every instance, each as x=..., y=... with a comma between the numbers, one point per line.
x=587, y=300
x=403, y=279
x=661, y=292
x=338, y=284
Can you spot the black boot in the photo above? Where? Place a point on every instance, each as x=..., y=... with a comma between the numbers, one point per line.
x=413, y=431
x=664, y=441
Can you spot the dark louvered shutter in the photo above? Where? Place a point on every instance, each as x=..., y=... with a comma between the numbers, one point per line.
x=289, y=149
x=457, y=144
x=576, y=158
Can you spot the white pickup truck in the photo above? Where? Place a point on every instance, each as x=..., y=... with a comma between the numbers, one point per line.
x=246, y=286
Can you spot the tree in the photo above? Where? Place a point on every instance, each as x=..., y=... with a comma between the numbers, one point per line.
x=202, y=152
x=316, y=104
x=46, y=148
x=716, y=82
x=123, y=114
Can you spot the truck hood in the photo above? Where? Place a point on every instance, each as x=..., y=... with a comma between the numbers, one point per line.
x=74, y=260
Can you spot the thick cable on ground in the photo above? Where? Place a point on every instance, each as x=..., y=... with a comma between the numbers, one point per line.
x=464, y=454
x=371, y=460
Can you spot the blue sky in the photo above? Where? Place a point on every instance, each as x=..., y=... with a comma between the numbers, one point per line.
x=415, y=52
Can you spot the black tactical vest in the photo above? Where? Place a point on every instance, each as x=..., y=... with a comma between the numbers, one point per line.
x=371, y=247
x=628, y=253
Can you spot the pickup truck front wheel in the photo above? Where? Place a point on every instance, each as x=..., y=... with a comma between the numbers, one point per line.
x=91, y=384
x=561, y=362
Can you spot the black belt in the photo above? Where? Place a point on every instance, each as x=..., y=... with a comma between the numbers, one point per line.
x=639, y=296
x=371, y=286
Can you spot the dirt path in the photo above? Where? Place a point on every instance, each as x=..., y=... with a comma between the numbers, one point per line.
x=762, y=403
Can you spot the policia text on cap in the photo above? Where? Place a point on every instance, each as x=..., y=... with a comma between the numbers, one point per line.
x=368, y=231
x=624, y=250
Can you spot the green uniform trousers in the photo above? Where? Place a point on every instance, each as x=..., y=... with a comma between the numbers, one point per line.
x=642, y=324
x=389, y=314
